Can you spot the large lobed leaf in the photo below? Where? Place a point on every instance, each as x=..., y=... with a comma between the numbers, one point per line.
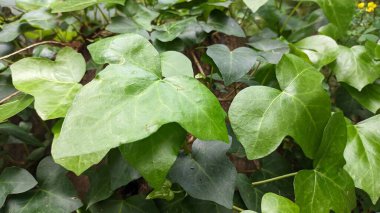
x=59, y=6
x=328, y=186
x=261, y=116
x=362, y=155
x=53, y=84
x=125, y=103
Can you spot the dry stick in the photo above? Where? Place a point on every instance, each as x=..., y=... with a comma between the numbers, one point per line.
x=197, y=63
x=274, y=179
x=31, y=46
x=9, y=97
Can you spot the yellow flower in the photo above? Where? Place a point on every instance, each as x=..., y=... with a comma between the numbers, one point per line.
x=361, y=5
x=370, y=9
x=372, y=5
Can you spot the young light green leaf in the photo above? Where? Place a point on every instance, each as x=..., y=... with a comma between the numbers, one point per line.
x=232, y=65
x=134, y=104
x=154, y=156
x=200, y=174
x=321, y=50
x=339, y=13
x=175, y=63
x=328, y=186
x=356, y=67
x=40, y=19
x=141, y=15
x=254, y=5
x=14, y=180
x=53, y=84
x=362, y=155
x=170, y=31
x=55, y=192
x=369, y=97
x=273, y=203
x=14, y=106
x=131, y=49
x=261, y=116
x=220, y=22
x=60, y=6
x=135, y=203
x=10, y=31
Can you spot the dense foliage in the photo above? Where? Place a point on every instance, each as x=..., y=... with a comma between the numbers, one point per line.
x=189, y=106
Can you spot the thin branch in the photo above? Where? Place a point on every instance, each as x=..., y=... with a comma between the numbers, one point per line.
x=197, y=63
x=31, y=46
x=274, y=179
x=290, y=15
x=102, y=13
x=9, y=97
x=237, y=208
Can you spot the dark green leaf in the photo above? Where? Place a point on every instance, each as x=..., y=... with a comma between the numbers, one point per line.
x=154, y=156
x=218, y=21
x=54, y=193
x=232, y=65
x=132, y=204
x=14, y=180
x=200, y=174
x=369, y=97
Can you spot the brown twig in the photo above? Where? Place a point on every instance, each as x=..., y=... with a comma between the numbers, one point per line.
x=31, y=46
x=9, y=97
x=197, y=63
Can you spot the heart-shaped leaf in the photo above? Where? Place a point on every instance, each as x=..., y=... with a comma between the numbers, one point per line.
x=60, y=6
x=321, y=50
x=137, y=104
x=273, y=203
x=175, y=63
x=356, y=67
x=14, y=180
x=328, y=186
x=220, y=22
x=55, y=192
x=170, y=31
x=362, y=155
x=53, y=84
x=200, y=175
x=232, y=65
x=262, y=116
x=154, y=156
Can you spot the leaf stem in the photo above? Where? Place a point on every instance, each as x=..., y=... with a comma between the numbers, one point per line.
x=274, y=179
x=237, y=208
x=197, y=63
x=290, y=15
x=31, y=46
x=104, y=15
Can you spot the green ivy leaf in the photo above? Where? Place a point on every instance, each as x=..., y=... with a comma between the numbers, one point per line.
x=270, y=50
x=175, y=63
x=14, y=180
x=36, y=76
x=154, y=156
x=141, y=15
x=10, y=31
x=220, y=22
x=273, y=203
x=116, y=173
x=261, y=116
x=369, y=97
x=170, y=31
x=321, y=50
x=356, y=67
x=33, y=4
x=60, y=6
x=135, y=93
x=135, y=203
x=19, y=133
x=130, y=49
x=328, y=186
x=362, y=155
x=232, y=65
x=14, y=106
x=200, y=174
x=254, y=5
x=55, y=192
x=40, y=19
x=373, y=49
x=339, y=13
